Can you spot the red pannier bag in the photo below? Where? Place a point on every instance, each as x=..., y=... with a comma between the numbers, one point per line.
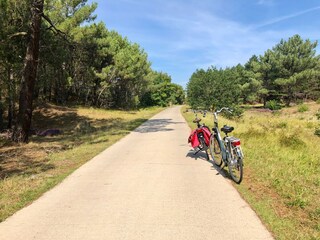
x=193, y=139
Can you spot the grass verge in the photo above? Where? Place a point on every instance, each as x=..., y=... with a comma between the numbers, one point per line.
x=281, y=168
x=29, y=170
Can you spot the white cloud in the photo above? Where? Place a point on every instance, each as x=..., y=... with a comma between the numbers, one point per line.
x=215, y=41
x=181, y=36
x=286, y=17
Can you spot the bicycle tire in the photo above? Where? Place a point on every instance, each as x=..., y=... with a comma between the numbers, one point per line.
x=215, y=150
x=203, y=146
x=236, y=167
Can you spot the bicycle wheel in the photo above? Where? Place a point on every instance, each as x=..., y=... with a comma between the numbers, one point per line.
x=215, y=150
x=236, y=167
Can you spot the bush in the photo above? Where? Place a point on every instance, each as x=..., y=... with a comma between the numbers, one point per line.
x=282, y=125
x=303, y=108
x=318, y=101
x=273, y=105
x=317, y=132
x=292, y=141
x=237, y=112
x=318, y=114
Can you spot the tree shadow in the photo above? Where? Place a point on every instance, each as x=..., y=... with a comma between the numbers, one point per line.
x=156, y=125
x=66, y=121
x=23, y=164
x=18, y=159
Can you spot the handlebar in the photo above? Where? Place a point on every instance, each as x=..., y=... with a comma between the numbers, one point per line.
x=224, y=109
x=215, y=114
x=204, y=112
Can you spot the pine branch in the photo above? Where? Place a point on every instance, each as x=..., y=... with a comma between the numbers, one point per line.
x=52, y=26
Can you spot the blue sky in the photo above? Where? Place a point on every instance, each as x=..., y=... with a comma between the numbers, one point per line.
x=181, y=36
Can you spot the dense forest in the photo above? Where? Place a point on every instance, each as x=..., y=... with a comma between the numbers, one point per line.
x=288, y=73
x=53, y=51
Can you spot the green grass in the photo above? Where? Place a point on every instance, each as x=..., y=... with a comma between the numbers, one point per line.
x=281, y=171
x=27, y=171
x=303, y=108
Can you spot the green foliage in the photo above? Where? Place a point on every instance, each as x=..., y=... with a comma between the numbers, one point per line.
x=273, y=105
x=237, y=112
x=80, y=62
x=303, y=108
x=286, y=73
x=317, y=131
x=161, y=91
x=297, y=203
x=282, y=125
x=290, y=70
x=214, y=88
x=318, y=114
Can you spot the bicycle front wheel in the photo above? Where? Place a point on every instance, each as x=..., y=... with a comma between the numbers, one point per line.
x=236, y=167
x=215, y=150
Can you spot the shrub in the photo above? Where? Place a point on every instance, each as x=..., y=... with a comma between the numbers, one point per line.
x=237, y=112
x=318, y=114
x=292, y=141
x=273, y=105
x=318, y=101
x=303, y=108
x=317, y=132
x=282, y=125
x=310, y=125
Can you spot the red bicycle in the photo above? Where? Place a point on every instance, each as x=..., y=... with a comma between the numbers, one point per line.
x=200, y=137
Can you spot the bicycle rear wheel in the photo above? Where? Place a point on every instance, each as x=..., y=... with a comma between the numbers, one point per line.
x=215, y=150
x=236, y=167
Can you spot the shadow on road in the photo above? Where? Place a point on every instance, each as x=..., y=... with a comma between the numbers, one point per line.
x=202, y=156
x=156, y=125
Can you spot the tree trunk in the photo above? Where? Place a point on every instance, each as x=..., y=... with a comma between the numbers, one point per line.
x=1, y=114
x=10, y=98
x=29, y=74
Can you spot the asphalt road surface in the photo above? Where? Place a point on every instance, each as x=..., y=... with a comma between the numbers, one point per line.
x=149, y=185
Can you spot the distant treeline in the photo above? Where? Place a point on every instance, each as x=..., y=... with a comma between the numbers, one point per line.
x=80, y=62
x=285, y=74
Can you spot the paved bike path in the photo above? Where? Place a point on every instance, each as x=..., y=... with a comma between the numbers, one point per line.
x=146, y=186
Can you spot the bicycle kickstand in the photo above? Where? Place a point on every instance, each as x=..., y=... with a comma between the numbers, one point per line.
x=195, y=153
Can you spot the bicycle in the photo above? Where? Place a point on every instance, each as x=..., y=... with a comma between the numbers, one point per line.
x=226, y=150
x=200, y=137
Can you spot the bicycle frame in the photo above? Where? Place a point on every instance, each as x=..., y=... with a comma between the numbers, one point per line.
x=216, y=131
x=230, y=148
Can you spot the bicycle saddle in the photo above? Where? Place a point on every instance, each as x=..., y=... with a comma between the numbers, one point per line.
x=227, y=129
x=197, y=120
